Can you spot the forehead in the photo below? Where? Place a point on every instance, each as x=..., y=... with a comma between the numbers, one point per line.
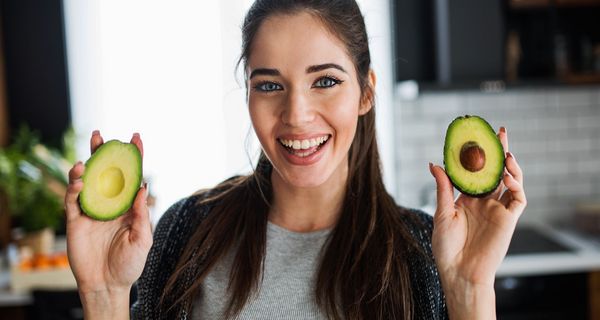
x=298, y=40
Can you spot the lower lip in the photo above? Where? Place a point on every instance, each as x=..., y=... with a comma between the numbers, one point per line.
x=304, y=161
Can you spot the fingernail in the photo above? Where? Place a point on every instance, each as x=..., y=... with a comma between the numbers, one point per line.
x=146, y=189
x=136, y=134
x=95, y=132
x=79, y=162
x=503, y=129
x=431, y=168
x=511, y=155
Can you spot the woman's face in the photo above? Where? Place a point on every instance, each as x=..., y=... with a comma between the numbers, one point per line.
x=304, y=99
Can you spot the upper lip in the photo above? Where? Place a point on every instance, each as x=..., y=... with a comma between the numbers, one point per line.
x=302, y=136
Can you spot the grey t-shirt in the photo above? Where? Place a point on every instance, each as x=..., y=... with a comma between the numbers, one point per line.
x=287, y=290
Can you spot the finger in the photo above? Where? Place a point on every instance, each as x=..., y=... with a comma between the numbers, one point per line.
x=503, y=136
x=513, y=167
x=72, y=209
x=445, y=190
x=140, y=227
x=95, y=141
x=514, y=198
x=137, y=140
x=76, y=172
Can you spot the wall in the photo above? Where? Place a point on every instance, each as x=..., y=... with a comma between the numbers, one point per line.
x=377, y=20
x=553, y=133
x=3, y=104
x=4, y=217
x=35, y=67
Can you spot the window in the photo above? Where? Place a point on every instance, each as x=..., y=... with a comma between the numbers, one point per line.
x=166, y=69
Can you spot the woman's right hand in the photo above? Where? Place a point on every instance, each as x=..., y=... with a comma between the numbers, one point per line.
x=106, y=257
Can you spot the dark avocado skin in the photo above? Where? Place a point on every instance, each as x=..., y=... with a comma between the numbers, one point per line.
x=498, y=180
x=106, y=147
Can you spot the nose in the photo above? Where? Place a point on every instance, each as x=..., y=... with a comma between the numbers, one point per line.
x=297, y=110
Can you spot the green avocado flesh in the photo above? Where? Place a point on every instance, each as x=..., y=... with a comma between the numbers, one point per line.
x=473, y=156
x=111, y=180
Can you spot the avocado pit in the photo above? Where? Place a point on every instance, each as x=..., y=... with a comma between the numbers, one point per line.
x=111, y=182
x=472, y=156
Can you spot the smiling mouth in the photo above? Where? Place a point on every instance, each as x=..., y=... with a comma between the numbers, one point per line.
x=306, y=147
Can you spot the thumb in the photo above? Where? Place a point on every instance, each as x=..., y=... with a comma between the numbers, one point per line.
x=445, y=190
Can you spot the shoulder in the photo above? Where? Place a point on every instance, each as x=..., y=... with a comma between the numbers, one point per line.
x=179, y=221
x=418, y=219
x=427, y=289
x=181, y=212
x=190, y=211
x=419, y=224
x=169, y=240
x=182, y=218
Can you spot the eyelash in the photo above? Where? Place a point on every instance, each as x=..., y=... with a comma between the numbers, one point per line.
x=261, y=85
x=335, y=80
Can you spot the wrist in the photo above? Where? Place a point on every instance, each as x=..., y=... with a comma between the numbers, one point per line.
x=469, y=300
x=109, y=303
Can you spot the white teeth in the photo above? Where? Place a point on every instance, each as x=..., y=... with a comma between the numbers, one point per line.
x=304, y=144
x=305, y=154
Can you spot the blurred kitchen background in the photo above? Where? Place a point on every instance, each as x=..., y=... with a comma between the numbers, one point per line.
x=166, y=69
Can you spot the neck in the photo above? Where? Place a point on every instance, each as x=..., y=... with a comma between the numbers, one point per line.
x=302, y=209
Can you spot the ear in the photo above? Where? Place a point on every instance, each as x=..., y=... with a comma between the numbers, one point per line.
x=368, y=98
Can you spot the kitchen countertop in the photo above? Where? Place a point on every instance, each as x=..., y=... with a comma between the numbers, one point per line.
x=9, y=298
x=584, y=255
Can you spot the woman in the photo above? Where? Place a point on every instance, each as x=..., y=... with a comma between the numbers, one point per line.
x=311, y=233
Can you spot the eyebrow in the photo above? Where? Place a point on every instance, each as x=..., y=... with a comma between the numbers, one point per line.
x=264, y=72
x=319, y=67
x=310, y=69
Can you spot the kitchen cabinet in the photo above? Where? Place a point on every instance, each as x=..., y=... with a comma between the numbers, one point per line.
x=35, y=67
x=465, y=44
x=594, y=294
x=556, y=39
x=549, y=273
x=448, y=42
x=548, y=297
x=3, y=106
x=4, y=216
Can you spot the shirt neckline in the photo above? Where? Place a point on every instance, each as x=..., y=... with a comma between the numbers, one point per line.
x=298, y=235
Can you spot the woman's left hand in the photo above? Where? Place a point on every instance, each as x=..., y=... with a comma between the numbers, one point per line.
x=471, y=235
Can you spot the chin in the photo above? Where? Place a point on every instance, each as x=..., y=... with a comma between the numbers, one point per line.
x=303, y=179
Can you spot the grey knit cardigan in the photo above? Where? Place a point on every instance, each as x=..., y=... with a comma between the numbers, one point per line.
x=180, y=220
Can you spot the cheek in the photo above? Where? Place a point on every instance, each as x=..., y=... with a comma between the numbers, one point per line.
x=343, y=114
x=262, y=120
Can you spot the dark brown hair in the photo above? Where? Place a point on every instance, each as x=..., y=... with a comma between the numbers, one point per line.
x=364, y=272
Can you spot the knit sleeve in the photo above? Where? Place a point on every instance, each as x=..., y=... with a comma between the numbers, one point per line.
x=161, y=260
x=429, y=299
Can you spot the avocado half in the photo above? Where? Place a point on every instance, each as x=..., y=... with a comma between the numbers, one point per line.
x=473, y=156
x=111, y=180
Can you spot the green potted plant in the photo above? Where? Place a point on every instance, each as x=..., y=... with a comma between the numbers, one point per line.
x=34, y=178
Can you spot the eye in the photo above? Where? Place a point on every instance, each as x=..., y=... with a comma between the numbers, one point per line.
x=326, y=82
x=267, y=86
